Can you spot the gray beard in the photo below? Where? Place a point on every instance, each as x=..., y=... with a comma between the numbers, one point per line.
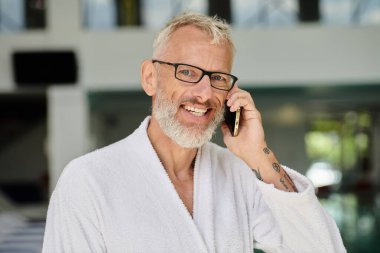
x=188, y=137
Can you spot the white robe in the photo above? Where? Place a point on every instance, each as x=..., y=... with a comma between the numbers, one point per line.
x=120, y=199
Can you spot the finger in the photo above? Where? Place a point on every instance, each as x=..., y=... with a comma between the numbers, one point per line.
x=232, y=91
x=239, y=94
x=233, y=98
x=241, y=100
x=252, y=115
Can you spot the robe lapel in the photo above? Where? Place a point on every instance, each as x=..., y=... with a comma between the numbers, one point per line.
x=203, y=211
x=170, y=202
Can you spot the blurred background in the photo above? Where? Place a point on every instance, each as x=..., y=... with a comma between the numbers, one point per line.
x=69, y=83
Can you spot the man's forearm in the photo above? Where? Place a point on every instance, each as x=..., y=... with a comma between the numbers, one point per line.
x=267, y=169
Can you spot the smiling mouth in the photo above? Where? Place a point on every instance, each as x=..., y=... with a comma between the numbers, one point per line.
x=195, y=111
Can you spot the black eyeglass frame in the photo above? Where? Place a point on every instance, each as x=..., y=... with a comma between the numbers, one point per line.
x=204, y=72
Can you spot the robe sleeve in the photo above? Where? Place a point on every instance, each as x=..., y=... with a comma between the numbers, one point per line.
x=72, y=224
x=293, y=222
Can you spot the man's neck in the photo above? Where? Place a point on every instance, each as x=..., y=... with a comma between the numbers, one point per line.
x=177, y=161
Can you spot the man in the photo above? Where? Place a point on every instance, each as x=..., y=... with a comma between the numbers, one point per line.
x=165, y=188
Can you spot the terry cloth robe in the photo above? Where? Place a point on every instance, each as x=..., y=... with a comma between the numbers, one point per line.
x=120, y=199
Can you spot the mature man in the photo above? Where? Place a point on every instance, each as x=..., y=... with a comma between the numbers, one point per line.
x=165, y=188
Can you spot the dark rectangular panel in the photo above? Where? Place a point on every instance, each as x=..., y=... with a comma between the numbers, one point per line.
x=36, y=68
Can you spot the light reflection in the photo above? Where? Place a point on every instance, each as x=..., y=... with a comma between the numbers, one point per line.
x=323, y=174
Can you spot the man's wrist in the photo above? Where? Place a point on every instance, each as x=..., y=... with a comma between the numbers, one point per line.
x=263, y=163
x=267, y=169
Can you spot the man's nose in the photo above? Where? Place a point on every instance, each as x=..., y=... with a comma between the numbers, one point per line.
x=203, y=90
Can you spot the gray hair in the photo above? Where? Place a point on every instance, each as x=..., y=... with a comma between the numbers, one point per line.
x=217, y=28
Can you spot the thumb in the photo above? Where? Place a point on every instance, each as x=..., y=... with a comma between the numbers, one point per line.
x=225, y=130
x=226, y=133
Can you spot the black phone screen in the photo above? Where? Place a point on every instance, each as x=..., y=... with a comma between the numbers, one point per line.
x=232, y=120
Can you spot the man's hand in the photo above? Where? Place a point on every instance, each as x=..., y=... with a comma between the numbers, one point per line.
x=250, y=146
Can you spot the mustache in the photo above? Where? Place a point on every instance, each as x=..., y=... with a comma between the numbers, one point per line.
x=193, y=100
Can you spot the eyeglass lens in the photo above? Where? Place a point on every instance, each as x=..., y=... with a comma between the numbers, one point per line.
x=193, y=75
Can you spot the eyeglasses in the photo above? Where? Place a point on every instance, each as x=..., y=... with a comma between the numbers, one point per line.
x=192, y=74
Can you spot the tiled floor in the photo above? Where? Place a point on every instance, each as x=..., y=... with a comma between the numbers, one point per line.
x=18, y=235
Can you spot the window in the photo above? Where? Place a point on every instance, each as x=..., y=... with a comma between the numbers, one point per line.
x=20, y=15
x=110, y=14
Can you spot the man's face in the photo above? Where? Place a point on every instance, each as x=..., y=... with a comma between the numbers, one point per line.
x=189, y=113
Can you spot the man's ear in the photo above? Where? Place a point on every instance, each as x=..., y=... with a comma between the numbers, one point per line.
x=148, y=77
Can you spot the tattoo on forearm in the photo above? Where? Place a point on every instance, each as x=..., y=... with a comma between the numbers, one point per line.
x=266, y=150
x=276, y=167
x=287, y=177
x=257, y=173
x=291, y=182
x=282, y=180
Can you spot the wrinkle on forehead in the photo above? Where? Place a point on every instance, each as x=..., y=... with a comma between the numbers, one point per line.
x=193, y=46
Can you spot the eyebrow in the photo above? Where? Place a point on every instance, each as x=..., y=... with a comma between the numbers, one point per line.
x=216, y=71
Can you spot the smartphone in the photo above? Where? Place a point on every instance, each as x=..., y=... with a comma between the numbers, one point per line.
x=232, y=119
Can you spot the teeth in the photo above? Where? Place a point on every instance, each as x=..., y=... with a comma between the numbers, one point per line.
x=196, y=111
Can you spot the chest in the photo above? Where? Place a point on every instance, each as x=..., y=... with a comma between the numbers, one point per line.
x=185, y=192
x=150, y=213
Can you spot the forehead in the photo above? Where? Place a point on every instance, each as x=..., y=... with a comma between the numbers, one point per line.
x=191, y=45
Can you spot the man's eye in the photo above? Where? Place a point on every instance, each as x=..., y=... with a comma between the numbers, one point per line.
x=186, y=72
x=219, y=78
